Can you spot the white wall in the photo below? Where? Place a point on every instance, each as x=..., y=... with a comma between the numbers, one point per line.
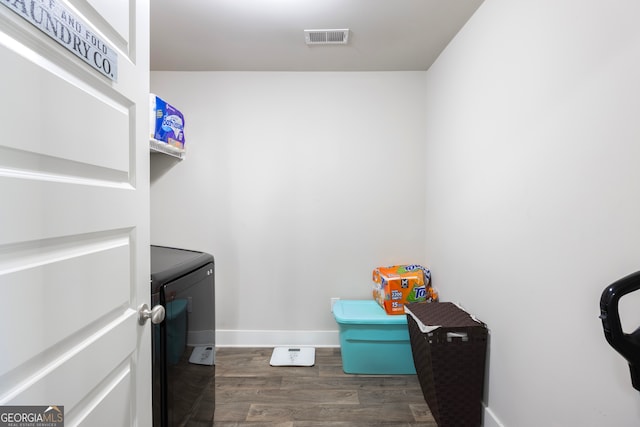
x=533, y=199
x=299, y=184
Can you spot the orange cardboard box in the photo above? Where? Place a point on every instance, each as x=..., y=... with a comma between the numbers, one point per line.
x=397, y=285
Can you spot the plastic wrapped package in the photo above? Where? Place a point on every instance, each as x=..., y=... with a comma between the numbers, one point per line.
x=397, y=285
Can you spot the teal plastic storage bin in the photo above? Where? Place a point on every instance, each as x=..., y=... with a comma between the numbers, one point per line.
x=371, y=341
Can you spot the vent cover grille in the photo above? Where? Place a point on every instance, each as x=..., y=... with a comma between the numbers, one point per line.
x=326, y=36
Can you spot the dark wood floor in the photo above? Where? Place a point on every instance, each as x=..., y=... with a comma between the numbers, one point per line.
x=249, y=393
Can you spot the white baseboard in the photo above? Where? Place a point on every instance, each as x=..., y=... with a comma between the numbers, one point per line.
x=254, y=338
x=490, y=419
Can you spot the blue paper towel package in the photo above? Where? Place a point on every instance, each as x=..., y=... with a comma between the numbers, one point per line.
x=166, y=122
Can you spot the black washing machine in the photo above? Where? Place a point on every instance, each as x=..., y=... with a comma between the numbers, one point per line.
x=182, y=281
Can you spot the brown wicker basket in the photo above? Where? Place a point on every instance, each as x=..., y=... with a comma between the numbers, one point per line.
x=450, y=362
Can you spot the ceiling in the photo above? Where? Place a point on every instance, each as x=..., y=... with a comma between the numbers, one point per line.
x=268, y=35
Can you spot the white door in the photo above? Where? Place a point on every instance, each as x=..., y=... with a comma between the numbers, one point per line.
x=74, y=215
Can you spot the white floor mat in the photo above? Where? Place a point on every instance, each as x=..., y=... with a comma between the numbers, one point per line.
x=293, y=356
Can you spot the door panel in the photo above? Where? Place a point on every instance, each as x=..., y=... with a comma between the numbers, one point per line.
x=48, y=271
x=74, y=220
x=107, y=405
x=117, y=15
x=62, y=107
x=60, y=206
x=87, y=363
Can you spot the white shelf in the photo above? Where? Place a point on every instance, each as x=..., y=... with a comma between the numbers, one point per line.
x=156, y=146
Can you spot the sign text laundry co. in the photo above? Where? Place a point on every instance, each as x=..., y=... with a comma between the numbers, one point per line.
x=55, y=20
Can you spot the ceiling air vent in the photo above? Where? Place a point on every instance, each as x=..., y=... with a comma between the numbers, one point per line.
x=326, y=36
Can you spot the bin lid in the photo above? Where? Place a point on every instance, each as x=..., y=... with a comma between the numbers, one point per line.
x=364, y=312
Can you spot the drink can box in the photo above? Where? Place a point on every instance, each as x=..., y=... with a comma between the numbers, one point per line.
x=397, y=285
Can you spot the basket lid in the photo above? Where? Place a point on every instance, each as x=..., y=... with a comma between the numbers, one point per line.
x=439, y=314
x=364, y=312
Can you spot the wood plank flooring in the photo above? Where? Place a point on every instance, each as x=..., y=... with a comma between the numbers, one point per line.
x=250, y=393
